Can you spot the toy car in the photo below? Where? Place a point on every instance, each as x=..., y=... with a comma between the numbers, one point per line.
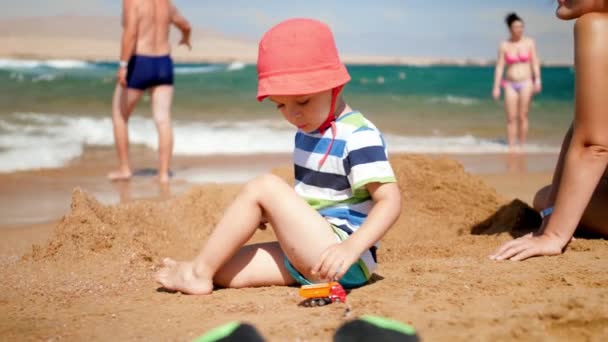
x=322, y=294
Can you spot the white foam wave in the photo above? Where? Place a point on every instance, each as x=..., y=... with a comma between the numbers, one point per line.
x=8, y=63
x=35, y=140
x=452, y=99
x=234, y=66
x=466, y=144
x=203, y=69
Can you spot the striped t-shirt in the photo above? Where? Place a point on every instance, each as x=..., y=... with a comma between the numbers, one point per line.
x=337, y=189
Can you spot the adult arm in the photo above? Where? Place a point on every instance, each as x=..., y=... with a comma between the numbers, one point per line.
x=535, y=67
x=129, y=38
x=183, y=25
x=498, y=72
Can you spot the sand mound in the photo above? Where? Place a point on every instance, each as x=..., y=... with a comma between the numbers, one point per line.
x=441, y=201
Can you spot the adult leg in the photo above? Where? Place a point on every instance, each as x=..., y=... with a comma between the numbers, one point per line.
x=123, y=103
x=525, y=98
x=302, y=233
x=511, y=101
x=162, y=96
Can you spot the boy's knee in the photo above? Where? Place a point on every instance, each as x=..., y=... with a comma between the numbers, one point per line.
x=268, y=181
x=541, y=199
x=263, y=183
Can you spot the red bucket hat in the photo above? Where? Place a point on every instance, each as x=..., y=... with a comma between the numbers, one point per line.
x=299, y=56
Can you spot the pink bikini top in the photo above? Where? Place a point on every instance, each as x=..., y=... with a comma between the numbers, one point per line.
x=517, y=58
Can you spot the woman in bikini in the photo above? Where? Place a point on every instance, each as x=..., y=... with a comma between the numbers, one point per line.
x=520, y=80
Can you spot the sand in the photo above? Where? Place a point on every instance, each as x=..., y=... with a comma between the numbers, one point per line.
x=80, y=37
x=89, y=275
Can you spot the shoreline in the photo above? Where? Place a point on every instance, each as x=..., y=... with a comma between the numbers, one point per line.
x=53, y=187
x=249, y=60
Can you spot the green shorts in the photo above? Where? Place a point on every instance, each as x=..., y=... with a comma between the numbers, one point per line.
x=354, y=277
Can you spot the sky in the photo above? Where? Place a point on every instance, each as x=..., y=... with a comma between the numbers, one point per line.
x=417, y=28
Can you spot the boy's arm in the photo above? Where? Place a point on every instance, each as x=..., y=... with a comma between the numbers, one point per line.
x=382, y=216
x=337, y=259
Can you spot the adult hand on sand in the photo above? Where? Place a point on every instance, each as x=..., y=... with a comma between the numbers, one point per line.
x=528, y=246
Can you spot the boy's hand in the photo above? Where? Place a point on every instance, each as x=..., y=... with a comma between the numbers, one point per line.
x=335, y=261
x=263, y=222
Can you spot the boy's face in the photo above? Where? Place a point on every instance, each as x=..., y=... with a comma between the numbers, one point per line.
x=306, y=112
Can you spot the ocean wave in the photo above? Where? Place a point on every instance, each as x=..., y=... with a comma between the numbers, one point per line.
x=38, y=140
x=10, y=64
x=203, y=69
x=457, y=100
x=234, y=66
x=466, y=144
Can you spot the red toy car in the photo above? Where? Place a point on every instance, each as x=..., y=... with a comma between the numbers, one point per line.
x=322, y=294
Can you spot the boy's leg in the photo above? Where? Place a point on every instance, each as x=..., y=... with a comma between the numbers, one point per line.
x=302, y=232
x=123, y=103
x=162, y=97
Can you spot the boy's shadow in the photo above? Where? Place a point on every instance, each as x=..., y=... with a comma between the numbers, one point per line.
x=516, y=218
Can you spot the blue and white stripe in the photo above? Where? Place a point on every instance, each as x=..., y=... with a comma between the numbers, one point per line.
x=336, y=189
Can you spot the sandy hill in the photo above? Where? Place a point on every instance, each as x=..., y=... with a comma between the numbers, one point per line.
x=98, y=38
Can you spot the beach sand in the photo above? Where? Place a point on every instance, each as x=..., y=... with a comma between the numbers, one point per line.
x=89, y=273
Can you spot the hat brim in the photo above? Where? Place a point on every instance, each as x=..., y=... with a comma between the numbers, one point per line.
x=308, y=82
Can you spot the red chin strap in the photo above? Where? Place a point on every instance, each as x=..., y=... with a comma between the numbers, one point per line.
x=331, y=117
x=330, y=122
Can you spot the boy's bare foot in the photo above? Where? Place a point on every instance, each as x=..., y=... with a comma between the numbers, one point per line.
x=119, y=175
x=180, y=276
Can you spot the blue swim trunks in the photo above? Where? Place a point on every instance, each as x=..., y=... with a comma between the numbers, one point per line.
x=356, y=276
x=144, y=72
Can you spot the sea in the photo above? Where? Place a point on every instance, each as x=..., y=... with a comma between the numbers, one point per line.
x=51, y=110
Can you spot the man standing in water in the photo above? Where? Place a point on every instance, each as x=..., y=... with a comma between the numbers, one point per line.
x=145, y=64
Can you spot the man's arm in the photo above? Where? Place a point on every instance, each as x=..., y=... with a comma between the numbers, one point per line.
x=129, y=38
x=182, y=24
x=129, y=33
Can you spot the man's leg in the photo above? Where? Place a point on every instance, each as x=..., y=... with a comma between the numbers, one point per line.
x=123, y=103
x=162, y=96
